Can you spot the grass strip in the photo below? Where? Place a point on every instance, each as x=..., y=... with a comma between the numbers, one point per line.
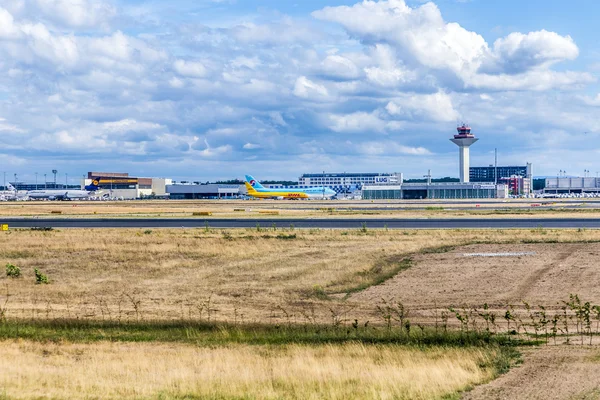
x=204, y=333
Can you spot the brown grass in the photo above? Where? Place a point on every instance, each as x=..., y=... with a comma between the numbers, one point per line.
x=248, y=276
x=134, y=371
x=299, y=209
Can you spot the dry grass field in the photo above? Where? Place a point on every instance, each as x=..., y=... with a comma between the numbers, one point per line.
x=300, y=209
x=175, y=371
x=259, y=276
x=277, y=277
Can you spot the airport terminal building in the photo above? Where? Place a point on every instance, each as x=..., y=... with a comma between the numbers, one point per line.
x=446, y=190
x=197, y=190
x=344, y=182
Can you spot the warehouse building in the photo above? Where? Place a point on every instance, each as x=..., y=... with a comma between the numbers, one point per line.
x=562, y=185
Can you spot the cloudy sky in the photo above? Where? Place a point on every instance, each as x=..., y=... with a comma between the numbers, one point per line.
x=213, y=89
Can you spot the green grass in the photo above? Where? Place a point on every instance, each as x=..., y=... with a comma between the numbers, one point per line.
x=203, y=333
x=379, y=273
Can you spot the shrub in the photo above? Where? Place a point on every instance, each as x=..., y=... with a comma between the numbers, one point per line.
x=148, y=232
x=12, y=271
x=40, y=277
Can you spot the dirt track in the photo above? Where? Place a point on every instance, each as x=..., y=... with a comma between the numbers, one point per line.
x=566, y=372
x=453, y=279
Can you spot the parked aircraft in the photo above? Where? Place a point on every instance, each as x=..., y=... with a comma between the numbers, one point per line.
x=9, y=194
x=255, y=189
x=65, y=194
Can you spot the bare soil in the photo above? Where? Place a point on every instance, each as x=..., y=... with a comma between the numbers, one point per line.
x=565, y=372
x=453, y=279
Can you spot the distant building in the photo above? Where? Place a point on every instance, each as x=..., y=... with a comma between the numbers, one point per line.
x=121, y=185
x=488, y=174
x=561, y=185
x=446, y=190
x=519, y=178
x=517, y=185
x=348, y=181
x=196, y=190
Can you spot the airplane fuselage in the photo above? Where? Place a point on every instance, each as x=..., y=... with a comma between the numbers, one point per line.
x=58, y=194
x=312, y=193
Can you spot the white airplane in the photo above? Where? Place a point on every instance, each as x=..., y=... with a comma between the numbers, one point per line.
x=10, y=194
x=65, y=194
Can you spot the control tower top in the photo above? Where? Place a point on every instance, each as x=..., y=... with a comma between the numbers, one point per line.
x=464, y=132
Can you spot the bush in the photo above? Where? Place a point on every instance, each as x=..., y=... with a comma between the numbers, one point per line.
x=40, y=277
x=13, y=271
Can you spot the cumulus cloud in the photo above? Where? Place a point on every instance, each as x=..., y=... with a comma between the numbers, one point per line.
x=86, y=14
x=518, y=53
x=191, y=69
x=339, y=67
x=306, y=89
x=94, y=85
x=360, y=122
x=422, y=39
x=431, y=107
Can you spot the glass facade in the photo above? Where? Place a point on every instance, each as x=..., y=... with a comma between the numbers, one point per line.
x=487, y=174
x=437, y=193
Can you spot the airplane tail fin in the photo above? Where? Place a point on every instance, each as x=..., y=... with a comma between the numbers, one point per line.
x=250, y=189
x=10, y=187
x=94, y=186
x=253, y=182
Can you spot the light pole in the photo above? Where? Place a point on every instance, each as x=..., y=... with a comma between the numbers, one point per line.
x=54, y=172
x=36, y=187
x=66, y=181
x=45, y=182
x=4, y=186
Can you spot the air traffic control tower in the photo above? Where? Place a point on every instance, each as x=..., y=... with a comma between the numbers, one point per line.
x=464, y=139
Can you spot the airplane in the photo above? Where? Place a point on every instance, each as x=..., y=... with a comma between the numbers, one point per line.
x=10, y=194
x=255, y=189
x=65, y=194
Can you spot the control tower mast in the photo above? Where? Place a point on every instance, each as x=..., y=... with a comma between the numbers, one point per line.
x=464, y=139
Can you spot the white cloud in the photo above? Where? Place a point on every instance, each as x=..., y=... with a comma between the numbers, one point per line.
x=193, y=69
x=422, y=39
x=251, y=146
x=283, y=32
x=339, y=67
x=214, y=151
x=390, y=148
x=127, y=125
x=358, y=122
x=517, y=53
x=84, y=14
x=429, y=107
x=306, y=88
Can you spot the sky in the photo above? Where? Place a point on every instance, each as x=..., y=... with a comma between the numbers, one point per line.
x=215, y=89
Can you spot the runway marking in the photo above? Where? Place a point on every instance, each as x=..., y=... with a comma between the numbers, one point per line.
x=518, y=254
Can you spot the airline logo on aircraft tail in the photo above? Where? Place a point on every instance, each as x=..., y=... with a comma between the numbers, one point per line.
x=253, y=182
x=95, y=185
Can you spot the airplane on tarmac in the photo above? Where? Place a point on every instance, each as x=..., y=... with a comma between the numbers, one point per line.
x=10, y=194
x=255, y=189
x=65, y=194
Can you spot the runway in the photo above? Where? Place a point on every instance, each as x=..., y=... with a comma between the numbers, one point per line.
x=306, y=223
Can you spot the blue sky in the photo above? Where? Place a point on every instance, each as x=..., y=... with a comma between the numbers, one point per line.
x=214, y=89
